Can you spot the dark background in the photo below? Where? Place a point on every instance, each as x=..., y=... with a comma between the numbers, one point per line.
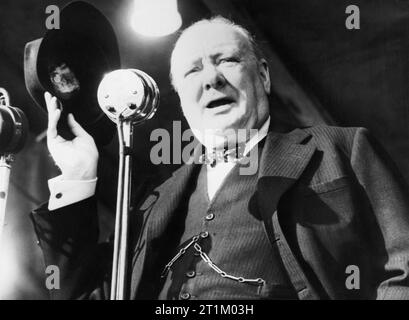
x=321, y=73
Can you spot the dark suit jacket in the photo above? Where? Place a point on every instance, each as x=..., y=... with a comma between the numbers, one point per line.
x=330, y=198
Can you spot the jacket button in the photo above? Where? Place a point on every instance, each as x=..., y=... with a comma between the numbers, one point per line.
x=204, y=234
x=185, y=296
x=210, y=216
x=58, y=195
x=190, y=274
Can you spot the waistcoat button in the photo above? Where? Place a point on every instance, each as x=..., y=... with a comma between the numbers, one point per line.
x=190, y=274
x=185, y=296
x=204, y=234
x=210, y=216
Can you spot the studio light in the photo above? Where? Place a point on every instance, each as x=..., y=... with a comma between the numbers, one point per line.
x=156, y=18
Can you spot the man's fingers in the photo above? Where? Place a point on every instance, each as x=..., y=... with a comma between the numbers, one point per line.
x=47, y=97
x=52, y=123
x=75, y=127
x=51, y=102
x=52, y=113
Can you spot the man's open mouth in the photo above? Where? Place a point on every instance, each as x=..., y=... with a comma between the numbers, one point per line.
x=219, y=102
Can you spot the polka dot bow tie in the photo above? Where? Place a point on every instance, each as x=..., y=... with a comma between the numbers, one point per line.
x=223, y=155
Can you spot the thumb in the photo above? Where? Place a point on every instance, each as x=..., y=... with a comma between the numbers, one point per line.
x=75, y=127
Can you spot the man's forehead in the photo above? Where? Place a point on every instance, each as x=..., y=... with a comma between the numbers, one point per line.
x=205, y=38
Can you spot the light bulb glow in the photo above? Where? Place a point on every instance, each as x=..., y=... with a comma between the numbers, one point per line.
x=156, y=17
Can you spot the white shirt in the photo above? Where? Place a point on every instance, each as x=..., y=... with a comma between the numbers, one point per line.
x=66, y=192
x=217, y=174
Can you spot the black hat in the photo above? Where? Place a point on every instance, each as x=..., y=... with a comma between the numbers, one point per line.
x=70, y=62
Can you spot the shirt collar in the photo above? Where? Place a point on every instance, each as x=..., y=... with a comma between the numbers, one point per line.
x=257, y=136
x=260, y=134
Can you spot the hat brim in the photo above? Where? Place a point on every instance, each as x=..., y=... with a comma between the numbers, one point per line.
x=86, y=46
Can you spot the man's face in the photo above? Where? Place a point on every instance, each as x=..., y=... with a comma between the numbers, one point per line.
x=220, y=83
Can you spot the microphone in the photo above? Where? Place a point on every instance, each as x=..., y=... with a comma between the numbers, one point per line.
x=128, y=94
x=128, y=97
x=13, y=126
x=13, y=135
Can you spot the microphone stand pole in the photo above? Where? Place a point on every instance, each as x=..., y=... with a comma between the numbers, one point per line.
x=119, y=268
x=5, y=168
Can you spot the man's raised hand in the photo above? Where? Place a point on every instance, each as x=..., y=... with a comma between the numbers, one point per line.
x=77, y=158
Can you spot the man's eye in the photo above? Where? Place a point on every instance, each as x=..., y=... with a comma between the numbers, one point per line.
x=229, y=59
x=190, y=71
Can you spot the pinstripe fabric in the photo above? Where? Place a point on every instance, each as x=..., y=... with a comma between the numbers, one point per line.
x=237, y=244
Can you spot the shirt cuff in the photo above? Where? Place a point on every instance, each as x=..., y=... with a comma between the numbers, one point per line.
x=66, y=192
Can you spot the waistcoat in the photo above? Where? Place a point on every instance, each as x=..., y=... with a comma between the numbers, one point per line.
x=230, y=232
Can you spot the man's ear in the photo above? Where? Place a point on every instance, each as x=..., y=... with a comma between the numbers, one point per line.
x=264, y=75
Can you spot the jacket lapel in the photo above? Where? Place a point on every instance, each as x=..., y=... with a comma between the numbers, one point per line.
x=158, y=209
x=169, y=196
x=283, y=160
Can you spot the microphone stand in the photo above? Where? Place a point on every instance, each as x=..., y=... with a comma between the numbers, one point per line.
x=129, y=97
x=5, y=168
x=119, y=268
x=9, y=144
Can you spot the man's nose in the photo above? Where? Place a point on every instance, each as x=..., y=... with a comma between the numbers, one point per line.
x=213, y=78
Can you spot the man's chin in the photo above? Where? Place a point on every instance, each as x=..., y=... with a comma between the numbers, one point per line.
x=216, y=136
x=221, y=124
x=221, y=130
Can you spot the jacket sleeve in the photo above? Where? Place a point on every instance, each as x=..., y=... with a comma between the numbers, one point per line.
x=389, y=198
x=69, y=241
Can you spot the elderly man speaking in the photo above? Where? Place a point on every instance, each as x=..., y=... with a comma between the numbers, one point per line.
x=324, y=205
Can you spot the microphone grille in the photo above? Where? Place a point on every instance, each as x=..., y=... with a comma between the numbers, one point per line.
x=128, y=93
